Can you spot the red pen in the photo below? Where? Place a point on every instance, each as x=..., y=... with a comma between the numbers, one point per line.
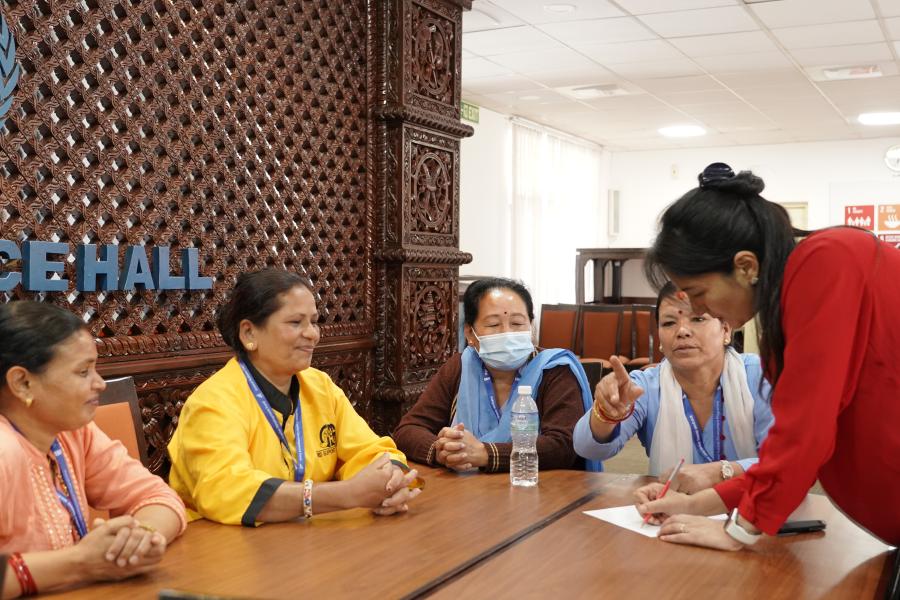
x=665, y=487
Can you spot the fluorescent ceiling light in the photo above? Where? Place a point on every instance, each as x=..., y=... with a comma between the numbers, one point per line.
x=855, y=72
x=559, y=9
x=592, y=92
x=682, y=131
x=880, y=118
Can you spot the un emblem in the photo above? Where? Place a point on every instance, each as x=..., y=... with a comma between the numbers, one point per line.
x=9, y=68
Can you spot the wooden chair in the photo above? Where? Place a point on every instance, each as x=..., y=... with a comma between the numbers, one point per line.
x=119, y=416
x=644, y=349
x=559, y=326
x=600, y=332
x=599, y=335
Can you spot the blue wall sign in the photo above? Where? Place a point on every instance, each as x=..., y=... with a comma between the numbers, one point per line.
x=43, y=264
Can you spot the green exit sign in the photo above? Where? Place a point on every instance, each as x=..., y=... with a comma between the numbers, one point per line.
x=468, y=112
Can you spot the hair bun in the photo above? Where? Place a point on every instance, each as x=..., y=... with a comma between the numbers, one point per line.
x=719, y=176
x=714, y=173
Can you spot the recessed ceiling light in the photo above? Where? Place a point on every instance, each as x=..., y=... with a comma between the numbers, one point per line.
x=880, y=118
x=559, y=9
x=682, y=131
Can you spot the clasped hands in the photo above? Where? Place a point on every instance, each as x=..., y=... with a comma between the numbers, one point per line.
x=119, y=547
x=383, y=487
x=458, y=449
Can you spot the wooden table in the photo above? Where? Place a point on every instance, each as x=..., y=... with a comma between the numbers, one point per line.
x=458, y=521
x=581, y=556
x=475, y=536
x=600, y=257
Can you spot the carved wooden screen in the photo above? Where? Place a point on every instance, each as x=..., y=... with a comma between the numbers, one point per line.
x=244, y=128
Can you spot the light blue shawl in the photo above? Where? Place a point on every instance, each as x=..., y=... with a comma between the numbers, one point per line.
x=473, y=406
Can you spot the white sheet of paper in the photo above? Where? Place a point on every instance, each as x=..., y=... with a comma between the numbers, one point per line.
x=629, y=518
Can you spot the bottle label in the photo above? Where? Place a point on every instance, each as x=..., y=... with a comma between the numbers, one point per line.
x=524, y=422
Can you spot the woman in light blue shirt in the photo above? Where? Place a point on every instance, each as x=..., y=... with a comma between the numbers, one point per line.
x=704, y=402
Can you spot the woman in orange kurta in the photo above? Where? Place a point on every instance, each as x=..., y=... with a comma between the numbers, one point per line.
x=55, y=463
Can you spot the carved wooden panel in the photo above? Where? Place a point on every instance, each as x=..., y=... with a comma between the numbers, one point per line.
x=235, y=127
x=432, y=46
x=317, y=135
x=416, y=134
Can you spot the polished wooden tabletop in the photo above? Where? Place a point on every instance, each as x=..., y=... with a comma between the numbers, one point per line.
x=584, y=557
x=458, y=521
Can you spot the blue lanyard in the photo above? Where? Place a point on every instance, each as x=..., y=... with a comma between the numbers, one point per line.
x=299, y=465
x=489, y=388
x=697, y=433
x=70, y=501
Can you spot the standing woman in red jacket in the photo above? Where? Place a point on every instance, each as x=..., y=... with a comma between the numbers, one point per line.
x=828, y=311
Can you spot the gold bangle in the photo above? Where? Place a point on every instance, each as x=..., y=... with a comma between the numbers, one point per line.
x=605, y=418
x=146, y=527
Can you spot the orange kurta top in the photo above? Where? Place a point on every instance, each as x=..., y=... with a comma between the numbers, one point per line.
x=32, y=518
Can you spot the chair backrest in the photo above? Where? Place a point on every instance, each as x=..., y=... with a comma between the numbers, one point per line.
x=559, y=326
x=645, y=332
x=601, y=330
x=119, y=416
x=627, y=338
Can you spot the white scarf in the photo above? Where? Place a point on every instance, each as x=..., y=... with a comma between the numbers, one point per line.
x=672, y=436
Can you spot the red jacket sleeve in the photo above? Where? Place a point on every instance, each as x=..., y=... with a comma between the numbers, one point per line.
x=824, y=304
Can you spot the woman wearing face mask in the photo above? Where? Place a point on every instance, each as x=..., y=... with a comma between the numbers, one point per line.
x=55, y=464
x=703, y=403
x=462, y=418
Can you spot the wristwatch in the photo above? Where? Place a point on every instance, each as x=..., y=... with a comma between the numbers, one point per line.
x=737, y=532
x=727, y=470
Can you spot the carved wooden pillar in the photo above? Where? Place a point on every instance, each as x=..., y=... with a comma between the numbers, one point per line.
x=416, y=99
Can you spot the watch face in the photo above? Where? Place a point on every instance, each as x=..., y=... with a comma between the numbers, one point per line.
x=727, y=470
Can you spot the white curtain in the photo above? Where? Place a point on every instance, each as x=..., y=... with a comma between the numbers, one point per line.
x=556, y=208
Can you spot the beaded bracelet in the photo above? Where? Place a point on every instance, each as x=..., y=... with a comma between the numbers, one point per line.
x=307, y=498
x=601, y=414
x=26, y=581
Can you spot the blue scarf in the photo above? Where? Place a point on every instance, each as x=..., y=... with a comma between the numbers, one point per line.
x=473, y=406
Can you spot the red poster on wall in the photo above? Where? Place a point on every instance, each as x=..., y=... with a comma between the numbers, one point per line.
x=891, y=238
x=889, y=217
x=860, y=216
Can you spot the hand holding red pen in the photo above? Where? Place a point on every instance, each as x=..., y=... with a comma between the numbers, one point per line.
x=649, y=493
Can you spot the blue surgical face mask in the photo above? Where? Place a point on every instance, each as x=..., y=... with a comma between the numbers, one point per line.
x=505, y=351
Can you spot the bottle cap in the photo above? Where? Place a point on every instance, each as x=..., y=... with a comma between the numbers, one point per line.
x=524, y=390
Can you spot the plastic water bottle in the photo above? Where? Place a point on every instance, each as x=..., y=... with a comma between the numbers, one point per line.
x=523, y=463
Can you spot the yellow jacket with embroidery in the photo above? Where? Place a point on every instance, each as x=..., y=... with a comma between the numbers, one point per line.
x=223, y=449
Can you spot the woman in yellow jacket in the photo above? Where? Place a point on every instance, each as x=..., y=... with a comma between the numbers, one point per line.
x=268, y=438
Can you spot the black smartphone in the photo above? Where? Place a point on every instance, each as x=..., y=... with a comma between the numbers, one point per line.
x=795, y=527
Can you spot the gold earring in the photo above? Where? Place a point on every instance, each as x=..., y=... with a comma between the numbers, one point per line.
x=754, y=280
x=660, y=347
x=251, y=347
x=28, y=401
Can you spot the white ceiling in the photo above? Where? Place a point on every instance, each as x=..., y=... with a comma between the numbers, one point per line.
x=747, y=71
